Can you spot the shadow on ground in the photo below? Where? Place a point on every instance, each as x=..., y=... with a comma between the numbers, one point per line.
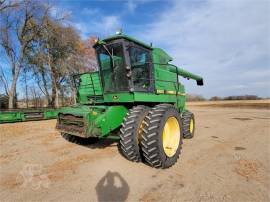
x=112, y=187
x=95, y=143
x=91, y=142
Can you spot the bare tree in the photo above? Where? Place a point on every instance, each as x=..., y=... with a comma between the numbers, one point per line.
x=57, y=49
x=43, y=80
x=36, y=97
x=38, y=64
x=83, y=60
x=6, y=4
x=25, y=81
x=32, y=39
x=4, y=80
x=20, y=25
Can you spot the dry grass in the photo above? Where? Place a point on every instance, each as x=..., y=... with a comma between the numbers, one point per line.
x=256, y=104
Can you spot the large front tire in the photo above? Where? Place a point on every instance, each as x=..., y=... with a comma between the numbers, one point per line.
x=162, y=136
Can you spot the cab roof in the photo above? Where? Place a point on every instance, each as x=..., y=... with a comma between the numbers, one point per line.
x=164, y=57
x=123, y=36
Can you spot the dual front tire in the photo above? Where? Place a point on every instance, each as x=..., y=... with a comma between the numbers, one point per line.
x=131, y=132
x=153, y=135
x=162, y=137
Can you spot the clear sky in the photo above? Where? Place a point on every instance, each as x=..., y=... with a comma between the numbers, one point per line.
x=225, y=41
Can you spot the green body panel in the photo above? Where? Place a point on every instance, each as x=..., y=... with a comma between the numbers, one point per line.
x=160, y=57
x=159, y=98
x=98, y=121
x=27, y=115
x=90, y=89
x=119, y=97
x=140, y=97
x=50, y=114
x=165, y=80
x=111, y=119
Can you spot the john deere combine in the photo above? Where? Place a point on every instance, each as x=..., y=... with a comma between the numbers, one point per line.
x=135, y=92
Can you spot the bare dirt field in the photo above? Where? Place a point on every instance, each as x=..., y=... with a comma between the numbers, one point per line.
x=227, y=160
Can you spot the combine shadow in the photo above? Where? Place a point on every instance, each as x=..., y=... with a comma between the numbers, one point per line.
x=112, y=187
x=92, y=142
x=103, y=143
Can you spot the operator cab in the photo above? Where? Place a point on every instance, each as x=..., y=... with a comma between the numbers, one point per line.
x=125, y=65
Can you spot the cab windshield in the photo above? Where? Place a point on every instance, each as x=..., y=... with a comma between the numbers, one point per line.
x=112, y=67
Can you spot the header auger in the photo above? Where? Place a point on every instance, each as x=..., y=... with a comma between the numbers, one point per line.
x=137, y=93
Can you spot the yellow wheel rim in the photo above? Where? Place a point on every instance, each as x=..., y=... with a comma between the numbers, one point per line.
x=171, y=136
x=191, y=125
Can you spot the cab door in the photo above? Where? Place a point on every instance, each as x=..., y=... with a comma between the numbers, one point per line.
x=141, y=68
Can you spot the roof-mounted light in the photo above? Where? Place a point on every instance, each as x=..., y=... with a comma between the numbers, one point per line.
x=96, y=40
x=119, y=32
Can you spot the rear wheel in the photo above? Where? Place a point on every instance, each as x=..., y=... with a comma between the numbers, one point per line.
x=130, y=133
x=188, y=124
x=162, y=136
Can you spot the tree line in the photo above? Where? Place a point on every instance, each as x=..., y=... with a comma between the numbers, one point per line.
x=236, y=97
x=42, y=47
x=194, y=97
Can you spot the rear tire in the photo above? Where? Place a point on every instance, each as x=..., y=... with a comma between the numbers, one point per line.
x=154, y=148
x=130, y=133
x=188, y=124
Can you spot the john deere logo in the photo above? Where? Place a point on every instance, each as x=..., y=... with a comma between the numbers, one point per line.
x=115, y=97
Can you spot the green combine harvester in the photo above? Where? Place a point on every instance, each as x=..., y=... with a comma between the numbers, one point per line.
x=135, y=95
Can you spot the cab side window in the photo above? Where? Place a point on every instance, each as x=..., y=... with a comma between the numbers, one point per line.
x=140, y=65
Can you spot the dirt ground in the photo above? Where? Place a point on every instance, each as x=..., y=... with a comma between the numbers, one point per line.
x=228, y=160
